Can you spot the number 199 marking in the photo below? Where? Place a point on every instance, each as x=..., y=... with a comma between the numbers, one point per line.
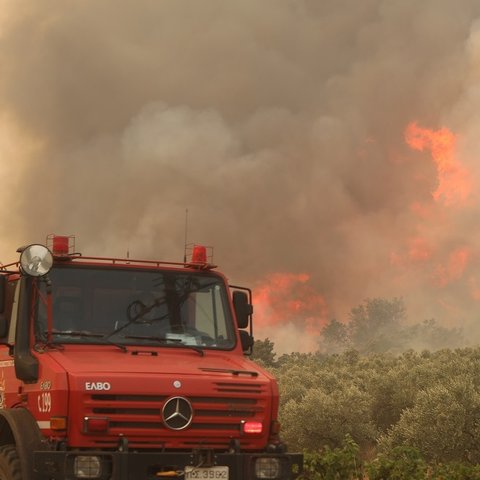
x=44, y=402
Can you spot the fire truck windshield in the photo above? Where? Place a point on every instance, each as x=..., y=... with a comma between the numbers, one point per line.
x=136, y=307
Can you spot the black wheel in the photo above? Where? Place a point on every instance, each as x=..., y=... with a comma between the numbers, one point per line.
x=9, y=463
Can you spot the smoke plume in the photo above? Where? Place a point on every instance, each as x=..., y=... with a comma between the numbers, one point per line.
x=282, y=126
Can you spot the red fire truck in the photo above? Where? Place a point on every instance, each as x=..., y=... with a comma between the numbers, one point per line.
x=128, y=369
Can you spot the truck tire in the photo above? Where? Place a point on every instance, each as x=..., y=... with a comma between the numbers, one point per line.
x=9, y=463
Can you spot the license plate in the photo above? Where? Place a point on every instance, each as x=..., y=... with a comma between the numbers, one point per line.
x=212, y=473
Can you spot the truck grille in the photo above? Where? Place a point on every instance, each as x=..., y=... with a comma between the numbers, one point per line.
x=217, y=418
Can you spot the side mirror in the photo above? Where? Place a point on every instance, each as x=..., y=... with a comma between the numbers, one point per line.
x=243, y=309
x=247, y=341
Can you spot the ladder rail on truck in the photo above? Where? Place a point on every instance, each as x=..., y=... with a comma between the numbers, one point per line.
x=122, y=369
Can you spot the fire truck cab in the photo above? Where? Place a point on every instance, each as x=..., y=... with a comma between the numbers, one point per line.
x=128, y=369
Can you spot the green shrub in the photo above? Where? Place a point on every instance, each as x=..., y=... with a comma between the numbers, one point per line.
x=442, y=424
x=402, y=463
x=333, y=464
x=455, y=471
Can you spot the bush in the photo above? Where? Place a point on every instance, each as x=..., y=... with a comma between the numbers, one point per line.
x=443, y=423
x=455, y=471
x=333, y=464
x=402, y=463
x=321, y=418
x=428, y=401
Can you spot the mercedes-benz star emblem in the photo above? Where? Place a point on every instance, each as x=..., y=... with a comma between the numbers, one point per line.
x=177, y=413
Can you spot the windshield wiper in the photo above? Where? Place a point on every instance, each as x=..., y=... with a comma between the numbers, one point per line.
x=82, y=333
x=153, y=337
x=177, y=342
x=138, y=316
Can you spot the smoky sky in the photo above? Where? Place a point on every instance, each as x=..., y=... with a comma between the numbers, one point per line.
x=278, y=124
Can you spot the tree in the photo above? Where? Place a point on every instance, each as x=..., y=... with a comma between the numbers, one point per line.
x=429, y=334
x=335, y=337
x=376, y=325
x=263, y=353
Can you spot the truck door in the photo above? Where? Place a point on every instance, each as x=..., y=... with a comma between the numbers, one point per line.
x=9, y=384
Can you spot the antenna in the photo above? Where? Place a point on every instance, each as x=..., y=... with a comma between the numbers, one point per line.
x=186, y=232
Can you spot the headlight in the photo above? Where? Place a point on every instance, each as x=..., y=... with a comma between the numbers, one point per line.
x=87, y=466
x=267, y=467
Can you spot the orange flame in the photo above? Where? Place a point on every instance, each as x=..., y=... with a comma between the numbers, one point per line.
x=454, y=181
x=454, y=268
x=426, y=250
x=289, y=298
x=418, y=250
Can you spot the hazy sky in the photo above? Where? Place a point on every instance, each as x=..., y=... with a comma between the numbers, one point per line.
x=279, y=124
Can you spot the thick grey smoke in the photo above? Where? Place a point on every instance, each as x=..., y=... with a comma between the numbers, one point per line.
x=279, y=124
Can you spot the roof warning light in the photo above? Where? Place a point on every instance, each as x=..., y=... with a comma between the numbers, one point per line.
x=61, y=245
x=199, y=254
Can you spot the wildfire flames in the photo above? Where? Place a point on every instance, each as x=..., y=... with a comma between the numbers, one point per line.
x=454, y=180
x=288, y=298
x=454, y=190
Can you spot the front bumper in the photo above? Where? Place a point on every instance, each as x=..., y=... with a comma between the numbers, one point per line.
x=130, y=465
